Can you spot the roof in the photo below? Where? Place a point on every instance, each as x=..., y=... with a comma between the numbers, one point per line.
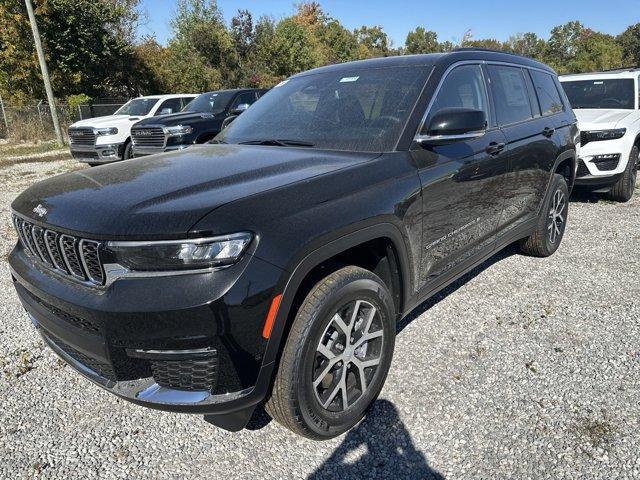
x=430, y=59
x=619, y=73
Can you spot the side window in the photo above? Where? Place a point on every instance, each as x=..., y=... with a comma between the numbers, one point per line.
x=186, y=101
x=171, y=105
x=510, y=94
x=531, y=90
x=462, y=88
x=246, y=97
x=548, y=94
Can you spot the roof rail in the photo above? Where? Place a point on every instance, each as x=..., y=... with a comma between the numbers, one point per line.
x=609, y=70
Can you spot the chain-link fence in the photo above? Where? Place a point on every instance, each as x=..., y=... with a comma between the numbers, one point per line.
x=33, y=122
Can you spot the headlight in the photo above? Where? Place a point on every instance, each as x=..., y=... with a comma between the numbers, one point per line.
x=178, y=130
x=106, y=131
x=179, y=254
x=599, y=135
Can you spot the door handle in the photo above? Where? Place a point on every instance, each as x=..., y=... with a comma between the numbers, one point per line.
x=547, y=132
x=494, y=148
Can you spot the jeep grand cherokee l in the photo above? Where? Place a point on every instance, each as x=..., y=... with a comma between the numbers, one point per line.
x=273, y=265
x=608, y=110
x=200, y=121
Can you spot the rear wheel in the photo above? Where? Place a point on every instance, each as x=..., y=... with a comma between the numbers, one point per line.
x=622, y=190
x=546, y=239
x=337, y=355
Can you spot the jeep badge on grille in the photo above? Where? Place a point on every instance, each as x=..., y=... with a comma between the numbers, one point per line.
x=40, y=210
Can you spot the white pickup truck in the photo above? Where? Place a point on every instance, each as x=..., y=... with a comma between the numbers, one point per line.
x=608, y=111
x=108, y=139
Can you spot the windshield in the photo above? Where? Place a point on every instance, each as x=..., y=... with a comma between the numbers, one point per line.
x=210, y=102
x=137, y=106
x=611, y=93
x=358, y=110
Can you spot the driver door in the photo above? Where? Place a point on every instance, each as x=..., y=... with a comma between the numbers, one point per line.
x=462, y=181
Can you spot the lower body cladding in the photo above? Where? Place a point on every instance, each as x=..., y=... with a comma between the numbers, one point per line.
x=189, y=344
x=98, y=153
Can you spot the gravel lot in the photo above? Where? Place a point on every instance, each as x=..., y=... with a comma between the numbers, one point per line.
x=525, y=368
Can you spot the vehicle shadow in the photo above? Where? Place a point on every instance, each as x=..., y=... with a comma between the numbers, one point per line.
x=579, y=195
x=379, y=447
x=506, y=252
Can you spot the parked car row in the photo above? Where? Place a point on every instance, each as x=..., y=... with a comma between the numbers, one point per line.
x=157, y=123
x=273, y=264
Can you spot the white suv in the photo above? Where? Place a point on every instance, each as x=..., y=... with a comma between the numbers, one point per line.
x=108, y=139
x=608, y=111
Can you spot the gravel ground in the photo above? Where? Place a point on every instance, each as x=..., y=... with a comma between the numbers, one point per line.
x=526, y=368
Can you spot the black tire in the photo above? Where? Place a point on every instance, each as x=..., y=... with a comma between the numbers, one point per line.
x=128, y=151
x=546, y=238
x=295, y=402
x=622, y=190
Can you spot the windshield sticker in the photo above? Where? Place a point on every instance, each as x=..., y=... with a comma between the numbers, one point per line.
x=282, y=83
x=598, y=83
x=349, y=79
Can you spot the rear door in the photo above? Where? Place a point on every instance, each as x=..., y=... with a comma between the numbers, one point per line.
x=461, y=182
x=531, y=142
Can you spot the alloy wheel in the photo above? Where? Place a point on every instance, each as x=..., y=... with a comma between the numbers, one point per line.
x=556, y=216
x=347, y=356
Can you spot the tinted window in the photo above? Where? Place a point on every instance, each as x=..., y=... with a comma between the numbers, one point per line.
x=462, y=88
x=185, y=101
x=605, y=93
x=211, y=102
x=510, y=94
x=353, y=110
x=171, y=105
x=547, y=92
x=247, y=97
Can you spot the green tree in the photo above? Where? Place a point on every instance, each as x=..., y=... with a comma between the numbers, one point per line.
x=421, y=41
x=594, y=51
x=526, y=44
x=563, y=45
x=629, y=40
x=291, y=50
x=372, y=42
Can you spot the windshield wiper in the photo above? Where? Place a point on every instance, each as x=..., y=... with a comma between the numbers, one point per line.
x=279, y=143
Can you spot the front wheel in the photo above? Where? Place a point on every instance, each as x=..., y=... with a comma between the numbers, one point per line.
x=337, y=355
x=545, y=240
x=622, y=190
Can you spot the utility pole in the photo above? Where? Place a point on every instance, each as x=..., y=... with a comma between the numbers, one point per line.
x=45, y=72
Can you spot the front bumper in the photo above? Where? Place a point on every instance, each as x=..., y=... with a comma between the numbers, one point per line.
x=122, y=337
x=112, y=152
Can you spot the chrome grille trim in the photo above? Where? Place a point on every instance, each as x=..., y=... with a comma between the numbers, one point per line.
x=84, y=136
x=69, y=256
x=69, y=249
x=51, y=241
x=157, y=139
x=90, y=257
x=37, y=233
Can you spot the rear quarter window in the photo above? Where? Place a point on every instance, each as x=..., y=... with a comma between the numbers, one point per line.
x=548, y=95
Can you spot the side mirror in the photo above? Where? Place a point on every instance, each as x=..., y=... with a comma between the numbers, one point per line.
x=227, y=121
x=166, y=111
x=239, y=109
x=453, y=125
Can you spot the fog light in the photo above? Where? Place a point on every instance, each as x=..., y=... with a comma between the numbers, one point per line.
x=108, y=153
x=607, y=157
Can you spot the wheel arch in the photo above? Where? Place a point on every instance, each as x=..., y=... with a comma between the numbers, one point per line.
x=333, y=254
x=565, y=165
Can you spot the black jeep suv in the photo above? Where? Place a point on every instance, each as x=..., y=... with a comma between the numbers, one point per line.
x=274, y=264
x=198, y=122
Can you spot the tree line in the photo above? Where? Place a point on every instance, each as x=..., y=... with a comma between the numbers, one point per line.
x=93, y=49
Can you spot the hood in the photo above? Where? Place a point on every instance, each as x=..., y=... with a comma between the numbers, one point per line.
x=178, y=119
x=600, y=119
x=106, y=121
x=163, y=196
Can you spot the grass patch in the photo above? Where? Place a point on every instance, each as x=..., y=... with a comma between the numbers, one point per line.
x=20, y=149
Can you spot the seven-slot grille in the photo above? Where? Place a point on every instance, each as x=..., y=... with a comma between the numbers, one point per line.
x=82, y=136
x=148, y=137
x=79, y=258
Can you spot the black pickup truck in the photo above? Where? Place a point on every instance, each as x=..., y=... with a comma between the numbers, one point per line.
x=273, y=264
x=201, y=120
